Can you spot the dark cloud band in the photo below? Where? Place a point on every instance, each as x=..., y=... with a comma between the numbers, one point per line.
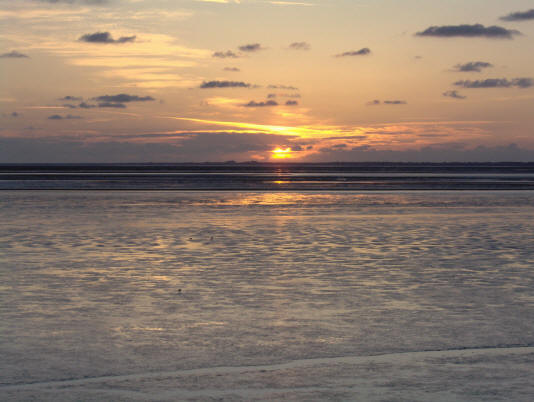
x=496, y=83
x=519, y=16
x=472, y=66
x=105, y=38
x=224, y=84
x=362, y=52
x=469, y=31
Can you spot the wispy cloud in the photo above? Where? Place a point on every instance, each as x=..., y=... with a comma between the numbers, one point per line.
x=261, y=104
x=469, y=31
x=123, y=98
x=225, y=55
x=13, y=55
x=106, y=38
x=362, y=52
x=232, y=69
x=224, y=84
x=453, y=94
x=251, y=47
x=496, y=83
x=300, y=46
x=377, y=102
x=472, y=66
x=67, y=117
x=519, y=16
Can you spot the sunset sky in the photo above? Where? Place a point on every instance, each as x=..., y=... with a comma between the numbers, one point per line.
x=265, y=80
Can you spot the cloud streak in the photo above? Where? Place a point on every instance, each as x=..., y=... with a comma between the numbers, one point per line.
x=224, y=84
x=453, y=94
x=469, y=31
x=123, y=98
x=472, y=66
x=519, y=16
x=268, y=103
x=300, y=46
x=251, y=47
x=105, y=38
x=362, y=52
x=496, y=83
x=225, y=55
x=14, y=55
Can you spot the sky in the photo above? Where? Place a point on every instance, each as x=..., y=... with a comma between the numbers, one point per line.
x=266, y=80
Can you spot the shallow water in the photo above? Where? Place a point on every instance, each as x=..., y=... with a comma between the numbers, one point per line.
x=116, y=283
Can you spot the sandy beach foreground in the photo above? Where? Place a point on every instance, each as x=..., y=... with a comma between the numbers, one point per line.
x=485, y=374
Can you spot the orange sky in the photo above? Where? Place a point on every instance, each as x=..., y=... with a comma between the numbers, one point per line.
x=323, y=80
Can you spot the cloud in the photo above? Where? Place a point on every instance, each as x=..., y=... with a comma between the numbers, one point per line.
x=232, y=69
x=14, y=55
x=85, y=105
x=224, y=84
x=377, y=102
x=15, y=114
x=362, y=52
x=70, y=106
x=395, y=102
x=496, y=83
x=519, y=16
x=123, y=98
x=112, y=104
x=105, y=37
x=445, y=153
x=271, y=96
x=286, y=87
x=251, y=47
x=468, y=31
x=67, y=117
x=299, y=46
x=475, y=66
x=261, y=104
x=74, y=1
x=225, y=55
x=453, y=94
x=71, y=98
x=291, y=103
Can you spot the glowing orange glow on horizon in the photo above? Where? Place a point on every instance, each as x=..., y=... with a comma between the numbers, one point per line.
x=280, y=153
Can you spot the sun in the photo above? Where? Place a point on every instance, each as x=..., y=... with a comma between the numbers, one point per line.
x=280, y=153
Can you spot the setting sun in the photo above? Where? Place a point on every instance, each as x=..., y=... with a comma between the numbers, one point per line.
x=280, y=153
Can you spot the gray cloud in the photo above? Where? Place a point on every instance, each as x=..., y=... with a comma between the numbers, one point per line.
x=112, y=105
x=286, y=87
x=123, y=98
x=232, y=69
x=475, y=66
x=14, y=55
x=468, y=31
x=224, y=84
x=105, y=37
x=291, y=103
x=299, y=46
x=67, y=117
x=85, y=105
x=71, y=98
x=271, y=96
x=519, y=16
x=251, y=47
x=74, y=1
x=362, y=52
x=70, y=106
x=224, y=55
x=261, y=104
x=444, y=153
x=377, y=102
x=496, y=83
x=395, y=102
x=191, y=147
x=453, y=94
x=15, y=114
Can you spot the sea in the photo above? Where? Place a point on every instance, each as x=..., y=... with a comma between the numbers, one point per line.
x=251, y=281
